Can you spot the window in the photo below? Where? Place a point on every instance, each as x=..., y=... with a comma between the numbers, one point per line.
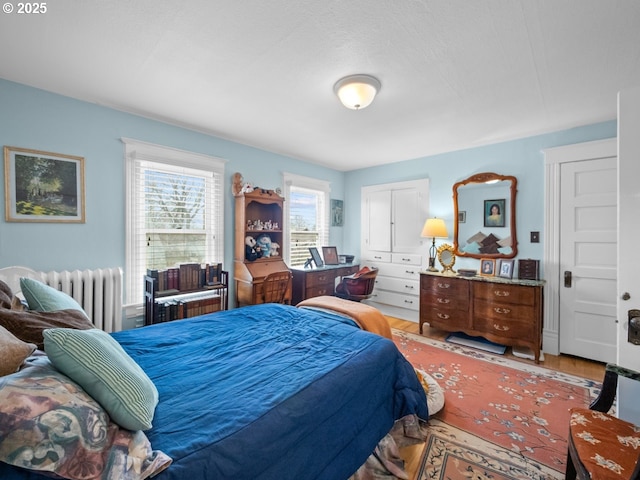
x=175, y=211
x=307, y=211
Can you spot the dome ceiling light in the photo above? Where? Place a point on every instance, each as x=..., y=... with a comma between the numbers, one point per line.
x=357, y=91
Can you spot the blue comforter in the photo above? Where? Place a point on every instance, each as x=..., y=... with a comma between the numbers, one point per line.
x=271, y=392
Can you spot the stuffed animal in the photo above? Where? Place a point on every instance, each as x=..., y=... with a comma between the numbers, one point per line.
x=274, y=249
x=236, y=186
x=251, y=250
x=263, y=242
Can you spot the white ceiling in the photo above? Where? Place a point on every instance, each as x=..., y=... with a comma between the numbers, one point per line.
x=455, y=73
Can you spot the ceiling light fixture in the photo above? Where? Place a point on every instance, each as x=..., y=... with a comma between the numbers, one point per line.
x=357, y=91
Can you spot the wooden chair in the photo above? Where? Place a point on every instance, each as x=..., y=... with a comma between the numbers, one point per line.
x=359, y=286
x=275, y=287
x=601, y=445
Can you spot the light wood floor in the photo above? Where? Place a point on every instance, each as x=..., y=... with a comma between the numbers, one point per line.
x=563, y=363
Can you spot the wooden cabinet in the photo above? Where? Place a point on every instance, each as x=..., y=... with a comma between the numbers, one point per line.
x=392, y=218
x=257, y=214
x=503, y=311
x=314, y=282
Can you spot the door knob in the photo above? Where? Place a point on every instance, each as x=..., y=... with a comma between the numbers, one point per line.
x=625, y=296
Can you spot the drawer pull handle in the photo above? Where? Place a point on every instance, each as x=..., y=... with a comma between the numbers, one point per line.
x=443, y=300
x=443, y=316
x=410, y=272
x=406, y=259
x=501, y=310
x=444, y=285
x=500, y=327
x=377, y=257
x=410, y=287
x=408, y=301
x=501, y=293
x=322, y=292
x=322, y=278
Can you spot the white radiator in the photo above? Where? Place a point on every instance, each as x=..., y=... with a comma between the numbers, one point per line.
x=98, y=291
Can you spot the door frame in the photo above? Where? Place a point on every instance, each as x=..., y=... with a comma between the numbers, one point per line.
x=553, y=158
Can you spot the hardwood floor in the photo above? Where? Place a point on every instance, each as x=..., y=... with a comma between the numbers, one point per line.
x=563, y=363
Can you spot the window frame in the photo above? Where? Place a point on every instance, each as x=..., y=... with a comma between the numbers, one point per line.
x=137, y=151
x=299, y=181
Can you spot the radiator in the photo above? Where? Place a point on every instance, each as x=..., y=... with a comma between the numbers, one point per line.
x=98, y=291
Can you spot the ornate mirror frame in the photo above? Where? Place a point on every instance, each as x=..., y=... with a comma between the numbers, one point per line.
x=447, y=258
x=488, y=178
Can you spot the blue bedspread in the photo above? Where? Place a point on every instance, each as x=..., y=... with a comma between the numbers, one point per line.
x=271, y=392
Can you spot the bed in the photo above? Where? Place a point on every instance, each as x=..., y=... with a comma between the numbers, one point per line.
x=263, y=392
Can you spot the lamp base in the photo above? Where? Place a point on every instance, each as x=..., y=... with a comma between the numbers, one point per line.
x=432, y=265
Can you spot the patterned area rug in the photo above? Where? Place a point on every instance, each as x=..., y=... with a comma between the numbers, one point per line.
x=502, y=419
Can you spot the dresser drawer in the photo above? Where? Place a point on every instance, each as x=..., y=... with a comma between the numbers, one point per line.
x=504, y=293
x=503, y=311
x=400, y=285
x=504, y=327
x=320, y=278
x=369, y=256
x=319, y=290
x=445, y=319
x=440, y=285
x=409, y=272
x=410, y=302
x=444, y=301
x=406, y=259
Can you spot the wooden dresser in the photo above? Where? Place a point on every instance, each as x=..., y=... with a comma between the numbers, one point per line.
x=313, y=282
x=501, y=310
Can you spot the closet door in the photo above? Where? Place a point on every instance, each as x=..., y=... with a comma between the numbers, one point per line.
x=408, y=216
x=377, y=221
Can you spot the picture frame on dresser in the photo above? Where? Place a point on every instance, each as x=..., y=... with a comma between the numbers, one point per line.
x=330, y=255
x=487, y=267
x=315, y=255
x=506, y=269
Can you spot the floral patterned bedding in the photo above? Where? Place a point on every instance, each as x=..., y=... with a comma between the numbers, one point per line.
x=49, y=424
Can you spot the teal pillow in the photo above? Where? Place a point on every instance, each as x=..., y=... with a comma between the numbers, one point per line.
x=43, y=298
x=96, y=361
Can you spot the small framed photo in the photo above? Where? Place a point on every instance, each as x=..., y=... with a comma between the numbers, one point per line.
x=330, y=255
x=315, y=255
x=506, y=269
x=462, y=216
x=494, y=213
x=43, y=186
x=487, y=267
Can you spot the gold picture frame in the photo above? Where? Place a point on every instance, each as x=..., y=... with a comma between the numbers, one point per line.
x=488, y=267
x=43, y=186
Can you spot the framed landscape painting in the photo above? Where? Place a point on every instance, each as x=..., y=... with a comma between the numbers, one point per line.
x=43, y=186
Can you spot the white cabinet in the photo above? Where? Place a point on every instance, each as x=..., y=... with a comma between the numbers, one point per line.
x=392, y=219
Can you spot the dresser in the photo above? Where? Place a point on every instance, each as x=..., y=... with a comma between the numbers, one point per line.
x=314, y=282
x=504, y=311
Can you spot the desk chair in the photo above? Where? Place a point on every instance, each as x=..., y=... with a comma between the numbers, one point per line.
x=275, y=287
x=359, y=286
x=602, y=446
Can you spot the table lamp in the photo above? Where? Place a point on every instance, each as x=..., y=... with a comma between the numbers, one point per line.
x=435, y=228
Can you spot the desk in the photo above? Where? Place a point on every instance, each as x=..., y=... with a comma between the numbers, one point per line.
x=313, y=282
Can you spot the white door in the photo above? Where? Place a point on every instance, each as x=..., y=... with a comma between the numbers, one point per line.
x=588, y=258
x=407, y=219
x=377, y=220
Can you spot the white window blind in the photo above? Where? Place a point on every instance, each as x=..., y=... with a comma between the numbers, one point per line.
x=175, y=211
x=307, y=211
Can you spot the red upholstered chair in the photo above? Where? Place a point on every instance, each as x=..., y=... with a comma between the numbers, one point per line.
x=602, y=446
x=358, y=286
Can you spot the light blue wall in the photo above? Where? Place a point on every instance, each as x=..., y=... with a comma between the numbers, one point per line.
x=520, y=158
x=36, y=119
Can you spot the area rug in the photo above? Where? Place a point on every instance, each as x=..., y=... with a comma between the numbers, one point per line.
x=502, y=419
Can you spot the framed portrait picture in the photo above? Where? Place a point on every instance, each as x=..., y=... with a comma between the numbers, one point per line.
x=506, y=269
x=488, y=267
x=315, y=255
x=337, y=213
x=494, y=213
x=43, y=186
x=330, y=255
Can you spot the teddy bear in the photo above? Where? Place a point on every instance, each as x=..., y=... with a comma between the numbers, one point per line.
x=263, y=243
x=251, y=250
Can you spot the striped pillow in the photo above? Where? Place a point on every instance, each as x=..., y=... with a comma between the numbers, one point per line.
x=93, y=359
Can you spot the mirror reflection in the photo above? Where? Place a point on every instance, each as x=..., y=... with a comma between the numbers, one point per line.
x=484, y=207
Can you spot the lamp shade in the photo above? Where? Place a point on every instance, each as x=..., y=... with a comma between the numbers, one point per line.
x=357, y=91
x=435, y=228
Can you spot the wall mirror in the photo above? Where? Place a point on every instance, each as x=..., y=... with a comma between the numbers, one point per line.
x=485, y=216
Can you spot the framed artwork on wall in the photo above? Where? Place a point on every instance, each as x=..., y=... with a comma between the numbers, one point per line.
x=337, y=213
x=494, y=213
x=43, y=186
